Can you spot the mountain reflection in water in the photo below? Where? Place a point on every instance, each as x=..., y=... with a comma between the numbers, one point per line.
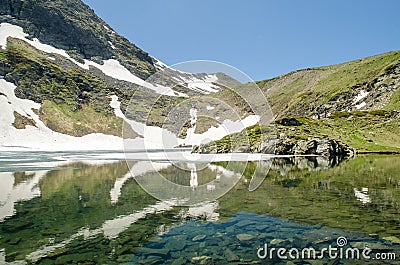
x=93, y=210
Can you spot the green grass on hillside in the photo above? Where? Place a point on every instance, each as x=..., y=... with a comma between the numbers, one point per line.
x=60, y=118
x=394, y=103
x=302, y=93
x=3, y=55
x=366, y=131
x=373, y=131
x=347, y=75
x=295, y=92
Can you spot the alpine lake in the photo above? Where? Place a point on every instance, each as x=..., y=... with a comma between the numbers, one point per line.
x=87, y=208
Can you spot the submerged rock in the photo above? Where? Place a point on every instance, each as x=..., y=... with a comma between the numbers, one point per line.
x=152, y=260
x=179, y=261
x=244, y=223
x=245, y=237
x=176, y=245
x=230, y=256
x=201, y=260
x=154, y=252
x=392, y=239
x=371, y=245
x=277, y=242
x=198, y=238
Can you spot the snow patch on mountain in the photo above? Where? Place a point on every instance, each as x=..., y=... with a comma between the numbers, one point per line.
x=191, y=130
x=115, y=70
x=111, y=44
x=151, y=137
x=203, y=85
x=215, y=133
x=159, y=65
x=9, y=30
x=210, y=107
x=361, y=105
x=156, y=137
x=360, y=96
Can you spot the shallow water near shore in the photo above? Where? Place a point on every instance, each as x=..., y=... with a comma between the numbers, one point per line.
x=86, y=208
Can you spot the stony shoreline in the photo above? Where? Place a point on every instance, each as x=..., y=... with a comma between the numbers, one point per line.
x=320, y=146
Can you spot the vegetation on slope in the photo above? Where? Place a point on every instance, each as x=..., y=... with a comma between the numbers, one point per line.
x=365, y=131
x=375, y=131
x=60, y=118
x=305, y=92
x=334, y=87
x=73, y=102
x=332, y=91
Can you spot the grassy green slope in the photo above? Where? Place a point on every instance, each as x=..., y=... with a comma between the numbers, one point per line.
x=303, y=93
x=296, y=92
x=366, y=131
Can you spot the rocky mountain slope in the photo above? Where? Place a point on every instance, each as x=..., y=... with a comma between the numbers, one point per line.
x=65, y=74
x=366, y=84
x=74, y=27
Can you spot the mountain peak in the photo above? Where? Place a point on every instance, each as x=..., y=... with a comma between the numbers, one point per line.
x=73, y=26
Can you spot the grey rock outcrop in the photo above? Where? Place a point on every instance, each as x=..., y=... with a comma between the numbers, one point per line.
x=315, y=146
x=324, y=147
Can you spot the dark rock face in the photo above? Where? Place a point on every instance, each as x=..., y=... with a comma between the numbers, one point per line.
x=316, y=146
x=73, y=26
x=55, y=28
x=313, y=146
x=5, y=68
x=289, y=122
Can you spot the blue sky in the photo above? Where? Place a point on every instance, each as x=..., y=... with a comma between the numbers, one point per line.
x=261, y=38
